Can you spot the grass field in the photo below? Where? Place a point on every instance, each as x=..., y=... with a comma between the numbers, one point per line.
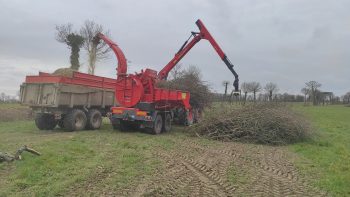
x=68, y=158
x=99, y=162
x=327, y=155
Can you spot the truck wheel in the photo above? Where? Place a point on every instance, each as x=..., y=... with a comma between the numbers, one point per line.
x=60, y=124
x=115, y=126
x=75, y=120
x=123, y=125
x=45, y=121
x=158, y=125
x=94, y=119
x=120, y=125
x=167, y=123
x=115, y=123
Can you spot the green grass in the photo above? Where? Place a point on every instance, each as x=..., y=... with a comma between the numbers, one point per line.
x=71, y=159
x=110, y=160
x=327, y=156
x=234, y=178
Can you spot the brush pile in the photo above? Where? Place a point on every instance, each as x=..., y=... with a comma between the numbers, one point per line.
x=257, y=123
x=190, y=80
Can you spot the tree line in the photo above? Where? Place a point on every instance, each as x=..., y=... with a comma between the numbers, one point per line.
x=254, y=91
x=5, y=98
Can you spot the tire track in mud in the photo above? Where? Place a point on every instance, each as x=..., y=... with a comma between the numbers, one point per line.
x=194, y=169
x=187, y=176
x=278, y=181
x=266, y=177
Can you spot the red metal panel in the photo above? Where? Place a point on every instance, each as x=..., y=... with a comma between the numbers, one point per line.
x=43, y=79
x=78, y=75
x=44, y=74
x=77, y=79
x=129, y=91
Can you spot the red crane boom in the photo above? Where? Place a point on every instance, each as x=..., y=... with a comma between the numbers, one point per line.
x=187, y=46
x=122, y=65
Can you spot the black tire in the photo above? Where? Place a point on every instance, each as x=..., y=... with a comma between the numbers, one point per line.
x=115, y=124
x=60, y=124
x=167, y=123
x=123, y=125
x=120, y=125
x=75, y=120
x=94, y=119
x=45, y=121
x=157, y=125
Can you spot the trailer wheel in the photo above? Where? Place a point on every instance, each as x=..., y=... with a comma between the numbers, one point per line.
x=60, y=123
x=75, y=120
x=94, y=119
x=167, y=123
x=157, y=125
x=45, y=121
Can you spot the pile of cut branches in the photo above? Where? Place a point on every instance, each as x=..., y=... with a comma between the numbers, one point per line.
x=190, y=80
x=256, y=123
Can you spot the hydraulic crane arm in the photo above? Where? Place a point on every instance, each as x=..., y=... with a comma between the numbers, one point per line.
x=187, y=46
x=122, y=65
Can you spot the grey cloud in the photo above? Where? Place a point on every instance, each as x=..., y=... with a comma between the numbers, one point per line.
x=287, y=42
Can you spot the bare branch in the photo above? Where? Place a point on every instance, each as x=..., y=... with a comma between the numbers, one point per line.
x=96, y=51
x=62, y=32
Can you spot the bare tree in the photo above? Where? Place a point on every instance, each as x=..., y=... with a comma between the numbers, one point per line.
x=346, y=98
x=96, y=50
x=313, y=87
x=270, y=89
x=245, y=88
x=74, y=41
x=254, y=87
x=176, y=72
x=2, y=97
x=306, y=92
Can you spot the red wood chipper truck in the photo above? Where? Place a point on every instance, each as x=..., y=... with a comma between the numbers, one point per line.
x=133, y=99
x=144, y=105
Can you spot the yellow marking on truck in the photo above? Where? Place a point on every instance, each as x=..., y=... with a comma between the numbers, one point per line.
x=117, y=111
x=183, y=95
x=141, y=113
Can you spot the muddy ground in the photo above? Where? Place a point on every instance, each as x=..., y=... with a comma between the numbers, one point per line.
x=196, y=169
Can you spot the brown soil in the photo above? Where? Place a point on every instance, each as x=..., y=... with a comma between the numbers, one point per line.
x=193, y=169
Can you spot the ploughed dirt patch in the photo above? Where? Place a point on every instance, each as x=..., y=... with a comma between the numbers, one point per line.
x=15, y=113
x=192, y=168
x=198, y=170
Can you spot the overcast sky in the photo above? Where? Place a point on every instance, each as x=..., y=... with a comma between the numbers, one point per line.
x=287, y=42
